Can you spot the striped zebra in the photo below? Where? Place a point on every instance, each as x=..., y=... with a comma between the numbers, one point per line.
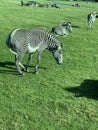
x=62, y=29
x=21, y=41
x=91, y=19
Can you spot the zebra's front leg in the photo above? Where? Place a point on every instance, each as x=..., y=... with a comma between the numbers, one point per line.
x=90, y=24
x=28, y=61
x=38, y=61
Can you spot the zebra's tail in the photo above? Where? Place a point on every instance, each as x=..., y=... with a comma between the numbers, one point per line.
x=10, y=37
x=9, y=44
x=8, y=41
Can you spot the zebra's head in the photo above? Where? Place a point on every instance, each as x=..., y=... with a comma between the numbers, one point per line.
x=68, y=26
x=57, y=53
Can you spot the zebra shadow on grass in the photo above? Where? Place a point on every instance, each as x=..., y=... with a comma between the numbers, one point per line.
x=88, y=88
x=9, y=67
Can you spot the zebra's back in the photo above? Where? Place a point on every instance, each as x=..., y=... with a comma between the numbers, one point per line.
x=35, y=38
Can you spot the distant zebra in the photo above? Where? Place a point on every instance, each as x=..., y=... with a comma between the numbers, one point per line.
x=91, y=19
x=21, y=41
x=62, y=29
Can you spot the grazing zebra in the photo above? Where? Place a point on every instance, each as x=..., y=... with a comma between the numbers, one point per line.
x=91, y=19
x=21, y=41
x=62, y=29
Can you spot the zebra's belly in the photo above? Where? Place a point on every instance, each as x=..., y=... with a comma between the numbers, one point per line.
x=32, y=49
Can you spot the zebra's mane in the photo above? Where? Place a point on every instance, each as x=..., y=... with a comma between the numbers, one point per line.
x=52, y=37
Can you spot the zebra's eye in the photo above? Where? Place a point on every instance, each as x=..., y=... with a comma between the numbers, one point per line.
x=57, y=53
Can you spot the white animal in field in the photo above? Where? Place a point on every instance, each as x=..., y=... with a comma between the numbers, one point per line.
x=91, y=17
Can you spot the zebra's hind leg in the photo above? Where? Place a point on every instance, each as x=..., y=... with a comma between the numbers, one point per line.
x=19, y=65
x=28, y=61
x=38, y=61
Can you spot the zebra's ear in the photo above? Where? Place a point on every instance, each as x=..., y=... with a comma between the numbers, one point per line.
x=96, y=16
x=69, y=22
x=64, y=23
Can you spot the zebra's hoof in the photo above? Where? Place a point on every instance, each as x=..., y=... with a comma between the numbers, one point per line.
x=27, y=70
x=22, y=73
x=24, y=69
x=36, y=72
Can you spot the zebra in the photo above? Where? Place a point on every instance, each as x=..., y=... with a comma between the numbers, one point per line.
x=20, y=41
x=62, y=29
x=91, y=17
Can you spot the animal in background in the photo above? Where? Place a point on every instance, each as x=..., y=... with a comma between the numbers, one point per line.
x=62, y=29
x=91, y=17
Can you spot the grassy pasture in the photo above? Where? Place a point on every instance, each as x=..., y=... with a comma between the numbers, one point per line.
x=60, y=97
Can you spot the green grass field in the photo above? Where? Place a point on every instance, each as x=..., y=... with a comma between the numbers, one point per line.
x=60, y=97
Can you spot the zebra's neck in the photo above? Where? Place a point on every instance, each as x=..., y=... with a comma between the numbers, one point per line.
x=53, y=42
